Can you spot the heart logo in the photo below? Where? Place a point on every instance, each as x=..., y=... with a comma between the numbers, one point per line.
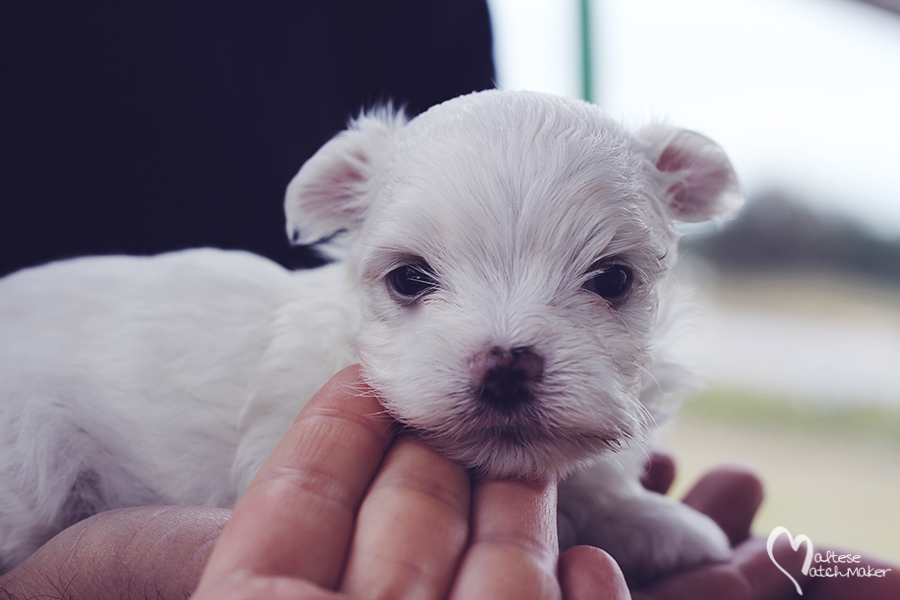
x=795, y=544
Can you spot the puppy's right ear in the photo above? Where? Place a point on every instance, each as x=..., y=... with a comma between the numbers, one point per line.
x=333, y=189
x=696, y=180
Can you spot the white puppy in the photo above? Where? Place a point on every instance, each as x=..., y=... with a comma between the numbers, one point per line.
x=500, y=288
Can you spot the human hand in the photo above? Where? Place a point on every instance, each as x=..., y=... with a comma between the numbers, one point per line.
x=326, y=517
x=731, y=497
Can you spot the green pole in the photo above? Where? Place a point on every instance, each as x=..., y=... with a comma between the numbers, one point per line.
x=586, y=53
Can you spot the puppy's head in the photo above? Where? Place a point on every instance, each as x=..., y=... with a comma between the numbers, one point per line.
x=508, y=247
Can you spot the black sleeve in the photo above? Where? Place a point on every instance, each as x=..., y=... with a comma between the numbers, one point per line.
x=145, y=127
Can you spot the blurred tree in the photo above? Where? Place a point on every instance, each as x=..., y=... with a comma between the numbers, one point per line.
x=778, y=233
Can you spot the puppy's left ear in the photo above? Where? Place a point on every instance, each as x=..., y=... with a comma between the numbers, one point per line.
x=333, y=189
x=695, y=176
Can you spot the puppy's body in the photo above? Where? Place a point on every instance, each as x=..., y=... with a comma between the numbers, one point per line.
x=500, y=290
x=163, y=380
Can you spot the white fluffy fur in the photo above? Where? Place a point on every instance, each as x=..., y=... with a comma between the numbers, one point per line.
x=170, y=379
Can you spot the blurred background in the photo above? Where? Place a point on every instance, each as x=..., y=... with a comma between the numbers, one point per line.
x=798, y=328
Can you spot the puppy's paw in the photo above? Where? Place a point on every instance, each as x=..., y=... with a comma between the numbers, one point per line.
x=653, y=535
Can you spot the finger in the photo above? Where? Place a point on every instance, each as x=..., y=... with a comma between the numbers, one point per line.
x=711, y=582
x=730, y=496
x=587, y=573
x=412, y=526
x=297, y=516
x=659, y=474
x=751, y=560
x=513, y=550
x=885, y=586
x=247, y=586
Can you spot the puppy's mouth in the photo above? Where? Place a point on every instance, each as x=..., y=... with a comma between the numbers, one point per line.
x=501, y=443
x=509, y=427
x=527, y=433
x=509, y=419
x=481, y=426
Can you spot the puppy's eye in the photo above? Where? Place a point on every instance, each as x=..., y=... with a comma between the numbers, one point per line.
x=412, y=280
x=612, y=283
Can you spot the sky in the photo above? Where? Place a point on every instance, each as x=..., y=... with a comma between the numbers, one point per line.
x=804, y=95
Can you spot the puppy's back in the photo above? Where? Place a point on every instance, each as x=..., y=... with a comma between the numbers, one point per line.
x=110, y=369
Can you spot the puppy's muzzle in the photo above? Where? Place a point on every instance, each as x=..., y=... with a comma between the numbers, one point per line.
x=503, y=378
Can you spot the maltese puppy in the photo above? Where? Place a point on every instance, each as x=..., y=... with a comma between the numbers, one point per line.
x=500, y=282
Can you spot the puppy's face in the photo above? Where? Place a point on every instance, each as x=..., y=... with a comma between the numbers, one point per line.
x=508, y=248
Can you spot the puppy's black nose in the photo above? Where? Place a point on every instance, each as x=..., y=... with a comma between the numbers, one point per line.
x=503, y=377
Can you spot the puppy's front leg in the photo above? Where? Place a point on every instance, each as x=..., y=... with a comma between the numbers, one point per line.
x=649, y=534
